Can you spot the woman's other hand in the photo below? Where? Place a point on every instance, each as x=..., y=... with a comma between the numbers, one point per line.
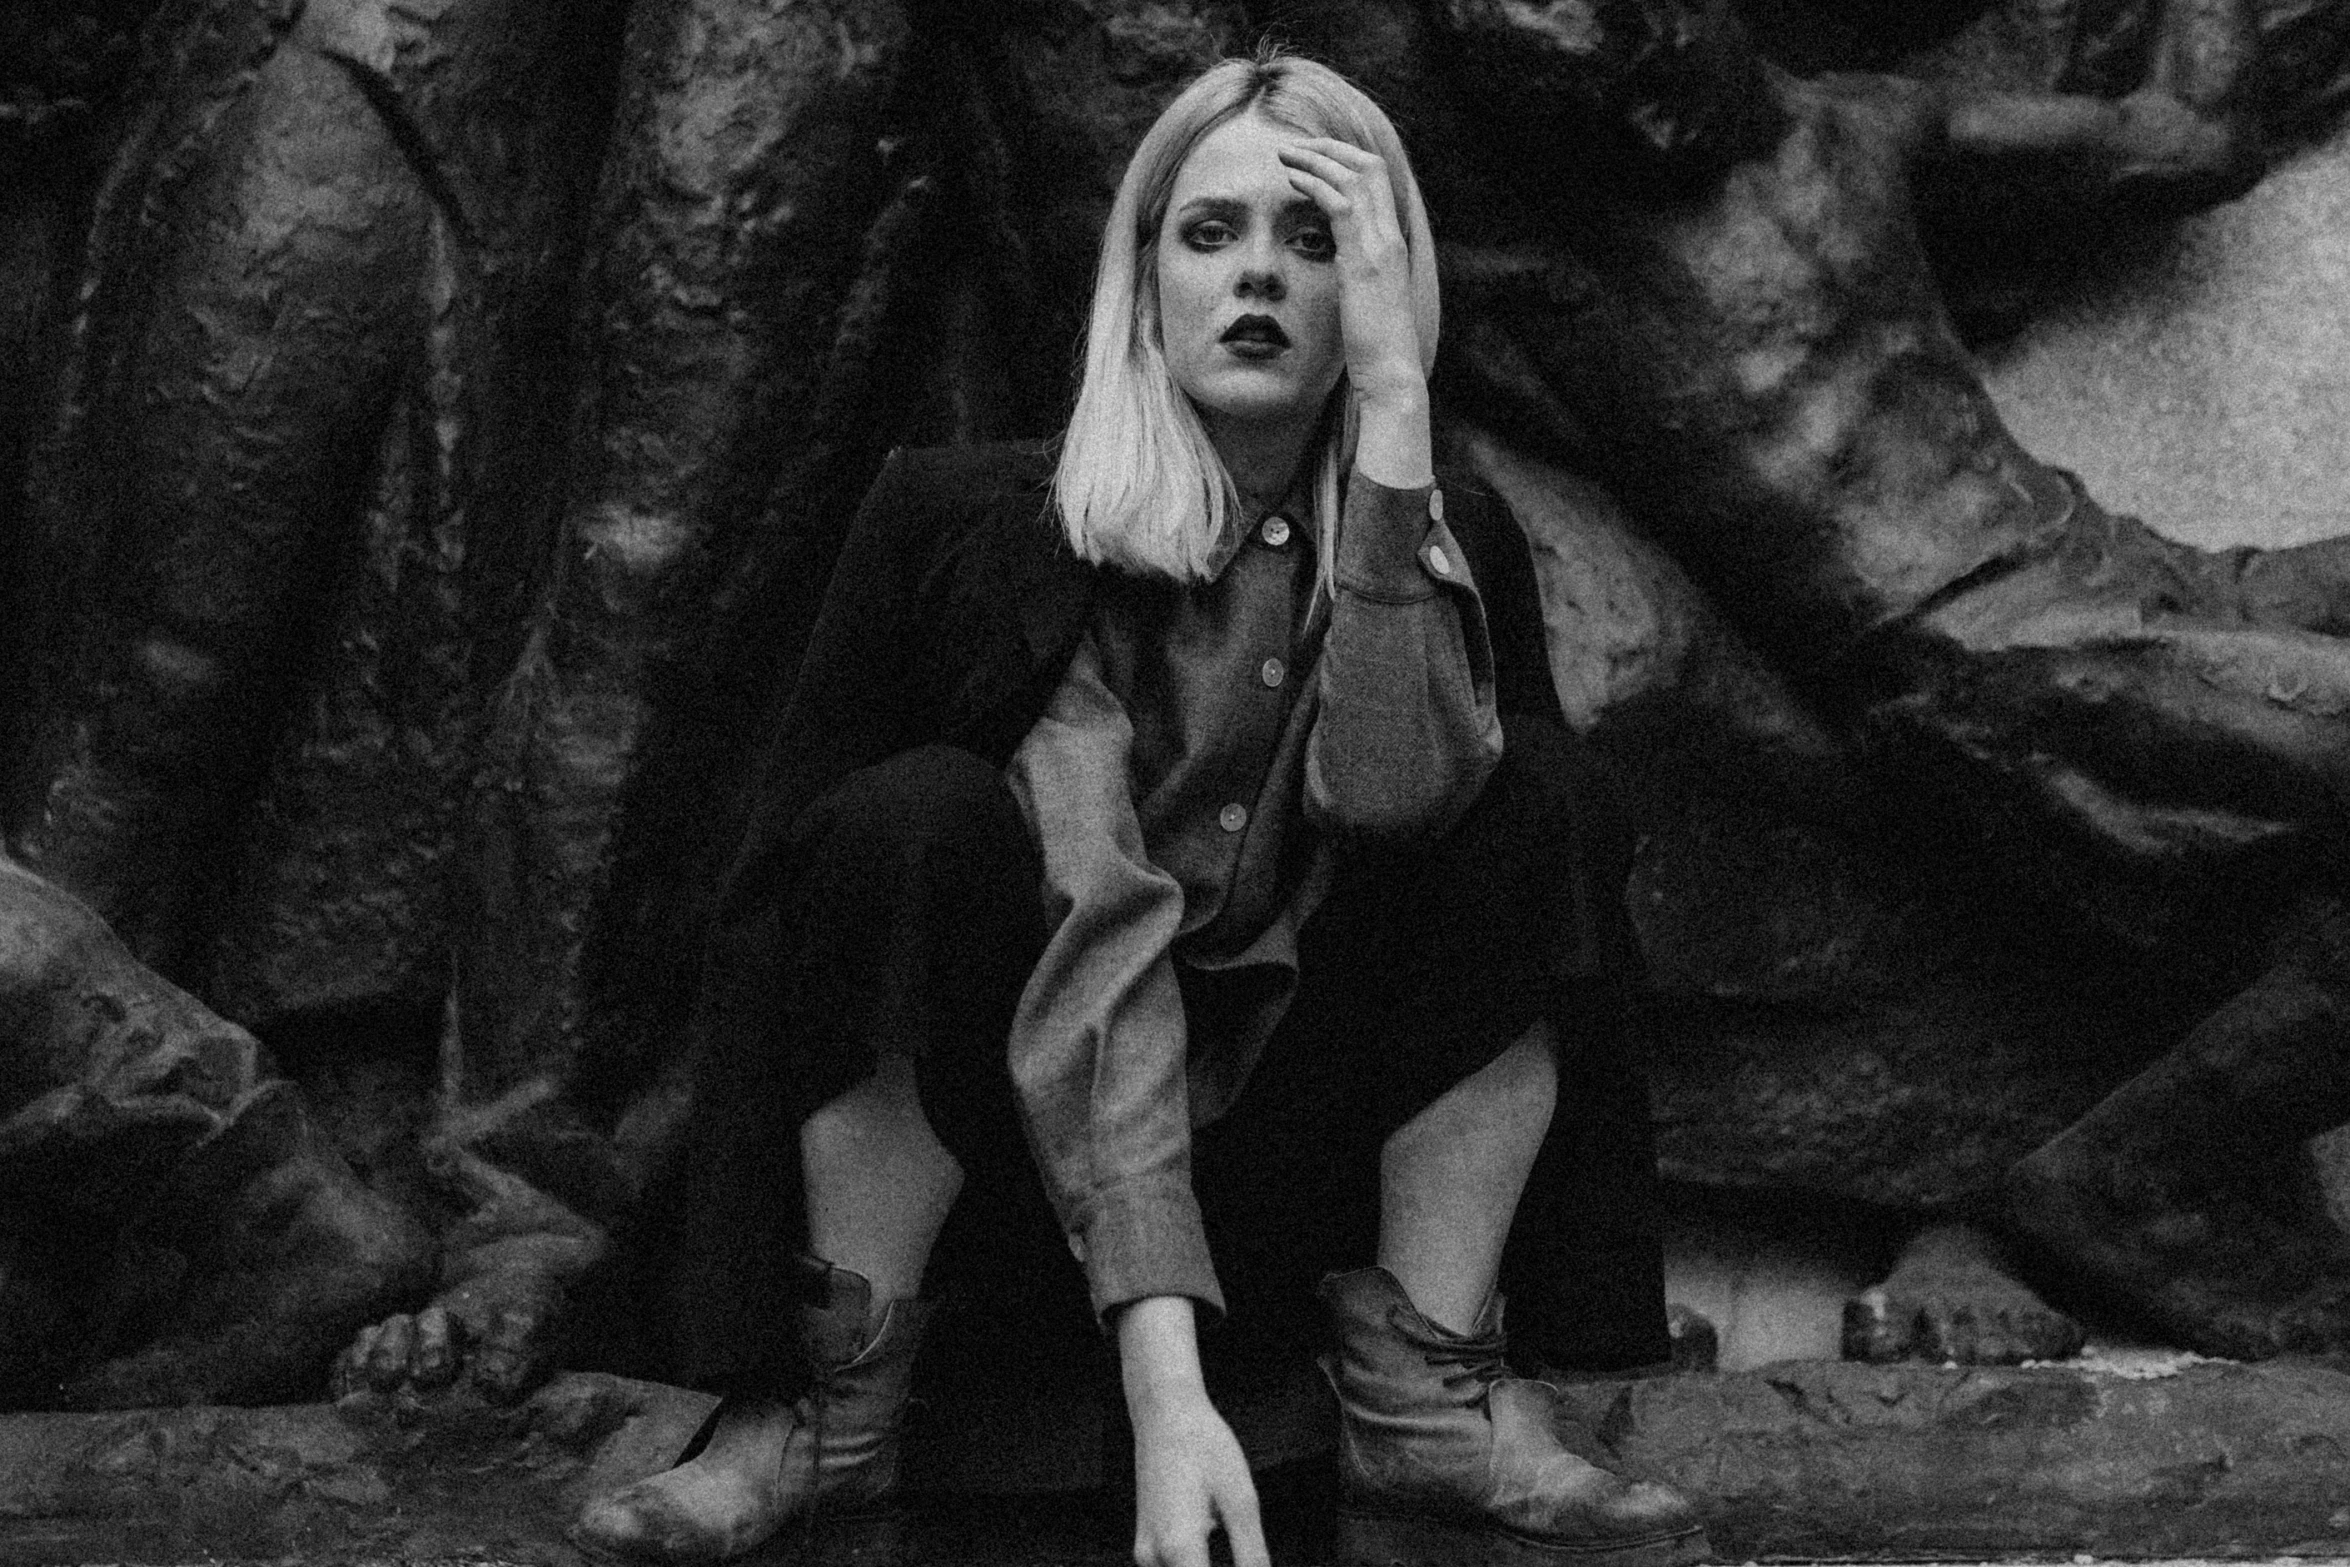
x=1376, y=324
x=1190, y=1477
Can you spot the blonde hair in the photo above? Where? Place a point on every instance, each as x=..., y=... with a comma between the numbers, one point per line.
x=1139, y=484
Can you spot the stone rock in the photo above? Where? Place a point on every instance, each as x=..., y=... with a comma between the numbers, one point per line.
x=173, y=1228
x=1826, y=1023
x=327, y=1482
x=2206, y=387
x=1837, y=1020
x=109, y=1075
x=1832, y=1019
x=2163, y=1457
x=2156, y=1457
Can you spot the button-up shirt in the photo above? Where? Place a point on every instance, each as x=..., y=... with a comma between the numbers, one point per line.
x=1208, y=748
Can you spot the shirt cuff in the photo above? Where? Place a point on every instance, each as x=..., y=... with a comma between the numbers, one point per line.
x=1384, y=542
x=1144, y=1237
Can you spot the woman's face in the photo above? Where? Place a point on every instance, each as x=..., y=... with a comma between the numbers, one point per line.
x=1248, y=293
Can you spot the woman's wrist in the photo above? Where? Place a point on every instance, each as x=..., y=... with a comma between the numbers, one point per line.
x=1392, y=441
x=1158, y=1352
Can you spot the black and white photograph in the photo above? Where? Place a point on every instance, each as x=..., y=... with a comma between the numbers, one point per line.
x=1064, y=783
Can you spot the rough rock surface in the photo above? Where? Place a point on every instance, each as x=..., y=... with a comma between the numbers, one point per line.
x=2207, y=389
x=1802, y=1459
x=2172, y=1458
x=172, y=1227
x=1830, y=1026
x=1825, y=1027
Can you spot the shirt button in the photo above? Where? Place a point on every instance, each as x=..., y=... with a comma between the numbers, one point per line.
x=1272, y=672
x=1232, y=818
x=1435, y=505
x=1438, y=561
x=1275, y=531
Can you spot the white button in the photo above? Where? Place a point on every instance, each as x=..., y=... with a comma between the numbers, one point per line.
x=1436, y=505
x=1275, y=531
x=1272, y=672
x=1438, y=561
x=1232, y=818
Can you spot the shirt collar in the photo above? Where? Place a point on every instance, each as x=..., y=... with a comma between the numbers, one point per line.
x=1297, y=505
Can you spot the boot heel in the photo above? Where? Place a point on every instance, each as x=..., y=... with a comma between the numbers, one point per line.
x=1402, y=1540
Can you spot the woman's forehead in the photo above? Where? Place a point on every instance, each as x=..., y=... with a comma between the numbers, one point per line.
x=1238, y=159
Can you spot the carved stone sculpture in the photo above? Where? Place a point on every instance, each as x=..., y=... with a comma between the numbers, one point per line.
x=175, y=1227
x=433, y=422
x=1742, y=338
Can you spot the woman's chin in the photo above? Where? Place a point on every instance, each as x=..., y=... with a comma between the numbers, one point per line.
x=1260, y=399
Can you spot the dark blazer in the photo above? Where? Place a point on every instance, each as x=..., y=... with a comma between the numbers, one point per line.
x=952, y=613
x=951, y=616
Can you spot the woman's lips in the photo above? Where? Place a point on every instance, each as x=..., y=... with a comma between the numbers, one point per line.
x=1255, y=337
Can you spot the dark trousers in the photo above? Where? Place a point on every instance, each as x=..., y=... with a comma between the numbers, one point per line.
x=911, y=921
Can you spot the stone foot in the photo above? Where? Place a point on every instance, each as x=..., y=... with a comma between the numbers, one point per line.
x=1952, y=1296
x=286, y=1253
x=495, y=1324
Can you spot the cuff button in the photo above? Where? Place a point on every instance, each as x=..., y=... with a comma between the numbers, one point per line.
x=1438, y=561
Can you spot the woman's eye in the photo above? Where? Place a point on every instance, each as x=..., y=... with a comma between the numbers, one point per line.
x=1208, y=235
x=1314, y=244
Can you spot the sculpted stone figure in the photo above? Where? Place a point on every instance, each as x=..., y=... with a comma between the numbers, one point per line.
x=1720, y=307
x=424, y=481
x=272, y=516
x=340, y=697
x=173, y=1225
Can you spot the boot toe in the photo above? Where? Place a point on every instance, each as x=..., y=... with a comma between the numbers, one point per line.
x=1569, y=1501
x=611, y=1528
x=1554, y=1492
x=642, y=1524
x=1651, y=1509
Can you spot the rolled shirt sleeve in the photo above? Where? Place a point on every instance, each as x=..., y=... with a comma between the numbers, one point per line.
x=1408, y=729
x=1097, y=1048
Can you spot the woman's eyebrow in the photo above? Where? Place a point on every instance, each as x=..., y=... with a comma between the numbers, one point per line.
x=1213, y=207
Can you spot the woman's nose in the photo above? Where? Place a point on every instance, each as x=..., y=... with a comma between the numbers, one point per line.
x=1261, y=281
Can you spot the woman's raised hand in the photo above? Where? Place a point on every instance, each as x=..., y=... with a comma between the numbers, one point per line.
x=1380, y=333
x=1381, y=338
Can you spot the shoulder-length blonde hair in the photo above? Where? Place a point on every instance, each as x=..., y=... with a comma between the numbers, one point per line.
x=1140, y=485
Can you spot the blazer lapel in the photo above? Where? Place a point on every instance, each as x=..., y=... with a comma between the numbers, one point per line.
x=1024, y=600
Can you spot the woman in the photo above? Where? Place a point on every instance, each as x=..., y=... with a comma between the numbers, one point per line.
x=1229, y=696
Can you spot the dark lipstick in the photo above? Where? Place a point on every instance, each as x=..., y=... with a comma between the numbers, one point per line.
x=1255, y=336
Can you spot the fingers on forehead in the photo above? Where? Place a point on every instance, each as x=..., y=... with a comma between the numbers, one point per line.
x=1349, y=159
x=1337, y=151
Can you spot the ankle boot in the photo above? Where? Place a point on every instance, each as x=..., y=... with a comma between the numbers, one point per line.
x=833, y=1478
x=1446, y=1460
x=854, y=1412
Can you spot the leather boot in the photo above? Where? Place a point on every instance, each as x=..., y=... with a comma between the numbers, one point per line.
x=835, y=1485
x=1446, y=1460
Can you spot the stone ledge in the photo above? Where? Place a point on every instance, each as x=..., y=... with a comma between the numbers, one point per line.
x=331, y=1482
x=1824, y=1458
x=1801, y=1459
